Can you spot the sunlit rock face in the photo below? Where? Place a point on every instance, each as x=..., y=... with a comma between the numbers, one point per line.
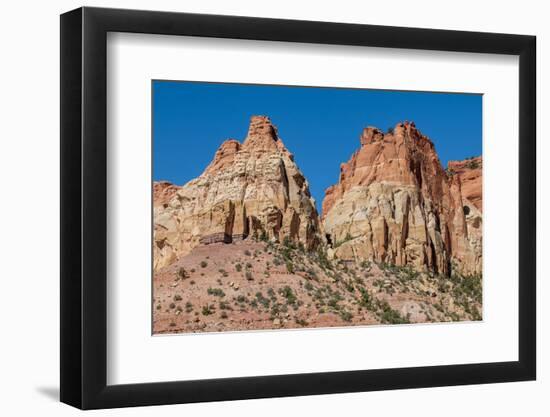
x=249, y=189
x=395, y=203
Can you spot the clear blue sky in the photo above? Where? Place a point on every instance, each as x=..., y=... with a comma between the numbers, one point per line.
x=320, y=126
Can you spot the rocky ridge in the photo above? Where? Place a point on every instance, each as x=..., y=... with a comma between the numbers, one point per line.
x=241, y=247
x=251, y=189
x=394, y=203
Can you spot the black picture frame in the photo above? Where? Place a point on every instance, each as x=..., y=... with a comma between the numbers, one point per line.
x=84, y=207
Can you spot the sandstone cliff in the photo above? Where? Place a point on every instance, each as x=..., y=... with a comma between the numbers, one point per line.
x=394, y=203
x=252, y=188
x=469, y=172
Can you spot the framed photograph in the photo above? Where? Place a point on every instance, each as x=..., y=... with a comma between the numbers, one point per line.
x=260, y=208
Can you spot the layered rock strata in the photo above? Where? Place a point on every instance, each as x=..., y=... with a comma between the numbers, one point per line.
x=394, y=203
x=249, y=189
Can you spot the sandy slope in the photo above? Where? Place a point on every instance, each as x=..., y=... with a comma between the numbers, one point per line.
x=255, y=285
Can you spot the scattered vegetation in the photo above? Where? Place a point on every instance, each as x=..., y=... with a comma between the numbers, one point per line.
x=207, y=310
x=218, y=292
x=182, y=273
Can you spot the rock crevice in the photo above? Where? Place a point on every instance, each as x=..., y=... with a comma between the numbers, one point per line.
x=394, y=203
x=249, y=189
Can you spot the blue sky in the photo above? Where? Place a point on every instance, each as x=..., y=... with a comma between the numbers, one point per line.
x=320, y=126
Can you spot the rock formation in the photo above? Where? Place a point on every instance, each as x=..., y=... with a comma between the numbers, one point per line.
x=469, y=172
x=394, y=203
x=249, y=189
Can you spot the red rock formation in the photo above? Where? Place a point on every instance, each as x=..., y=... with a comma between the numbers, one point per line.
x=163, y=191
x=469, y=171
x=395, y=203
x=249, y=189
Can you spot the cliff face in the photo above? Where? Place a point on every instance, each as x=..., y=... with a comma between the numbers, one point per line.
x=249, y=189
x=469, y=171
x=394, y=203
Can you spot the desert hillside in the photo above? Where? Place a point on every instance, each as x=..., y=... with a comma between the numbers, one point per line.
x=242, y=247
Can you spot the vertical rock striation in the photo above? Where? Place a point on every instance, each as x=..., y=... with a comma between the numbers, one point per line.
x=395, y=203
x=249, y=189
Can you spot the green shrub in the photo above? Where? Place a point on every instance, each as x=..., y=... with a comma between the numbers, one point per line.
x=182, y=273
x=207, y=310
x=390, y=315
x=301, y=322
x=289, y=267
x=262, y=300
x=287, y=293
x=218, y=292
x=346, y=316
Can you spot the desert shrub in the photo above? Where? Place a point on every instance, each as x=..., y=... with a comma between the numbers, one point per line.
x=346, y=316
x=247, y=252
x=308, y=286
x=204, y=264
x=346, y=238
x=366, y=299
x=188, y=307
x=290, y=267
x=322, y=259
x=472, y=165
x=218, y=292
x=172, y=306
x=207, y=310
x=182, y=273
x=300, y=322
x=262, y=300
x=391, y=316
x=287, y=293
x=177, y=297
x=288, y=243
x=365, y=264
x=223, y=315
x=248, y=265
x=312, y=274
x=238, y=267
